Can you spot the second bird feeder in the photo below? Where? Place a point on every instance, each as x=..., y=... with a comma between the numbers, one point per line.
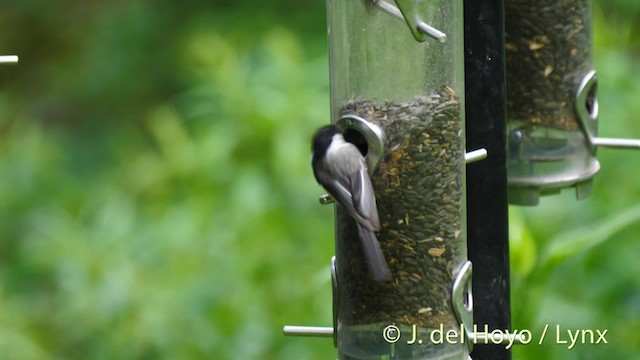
x=552, y=103
x=398, y=93
x=551, y=99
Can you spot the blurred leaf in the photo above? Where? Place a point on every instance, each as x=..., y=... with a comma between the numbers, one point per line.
x=522, y=245
x=586, y=238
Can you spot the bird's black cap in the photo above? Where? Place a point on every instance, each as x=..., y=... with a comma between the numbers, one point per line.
x=322, y=140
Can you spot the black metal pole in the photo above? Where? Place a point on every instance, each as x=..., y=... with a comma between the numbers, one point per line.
x=487, y=204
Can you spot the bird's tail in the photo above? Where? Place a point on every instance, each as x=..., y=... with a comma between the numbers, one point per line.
x=373, y=253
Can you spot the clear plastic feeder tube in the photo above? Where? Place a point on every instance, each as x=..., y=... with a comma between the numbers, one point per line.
x=549, y=56
x=412, y=92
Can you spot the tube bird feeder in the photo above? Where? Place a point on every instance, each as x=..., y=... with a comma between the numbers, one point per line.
x=399, y=95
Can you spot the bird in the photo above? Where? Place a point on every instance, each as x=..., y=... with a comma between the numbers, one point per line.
x=342, y=170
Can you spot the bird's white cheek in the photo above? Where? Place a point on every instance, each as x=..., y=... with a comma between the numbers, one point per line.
x=333, y=149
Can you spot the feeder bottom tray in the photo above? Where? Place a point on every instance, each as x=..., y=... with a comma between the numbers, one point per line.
x=379, y=341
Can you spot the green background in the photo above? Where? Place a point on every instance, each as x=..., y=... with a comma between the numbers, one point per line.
x=156, y=198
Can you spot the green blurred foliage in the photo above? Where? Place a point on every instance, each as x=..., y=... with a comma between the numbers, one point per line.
x=156, y=198
x=156, y=195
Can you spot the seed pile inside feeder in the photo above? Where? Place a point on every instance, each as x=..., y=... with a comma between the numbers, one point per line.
x=419, y=195
x=548, y=48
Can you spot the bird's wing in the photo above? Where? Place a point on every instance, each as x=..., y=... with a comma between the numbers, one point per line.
x=364, y=199
x=342, y=195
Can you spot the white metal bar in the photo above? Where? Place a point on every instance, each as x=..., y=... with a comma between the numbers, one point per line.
x=475, y=155
x=616, y=143
x=422, y=27
x=315, y=331
x=9, y=59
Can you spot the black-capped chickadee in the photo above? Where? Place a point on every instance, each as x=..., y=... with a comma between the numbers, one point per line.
x=341, y=169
